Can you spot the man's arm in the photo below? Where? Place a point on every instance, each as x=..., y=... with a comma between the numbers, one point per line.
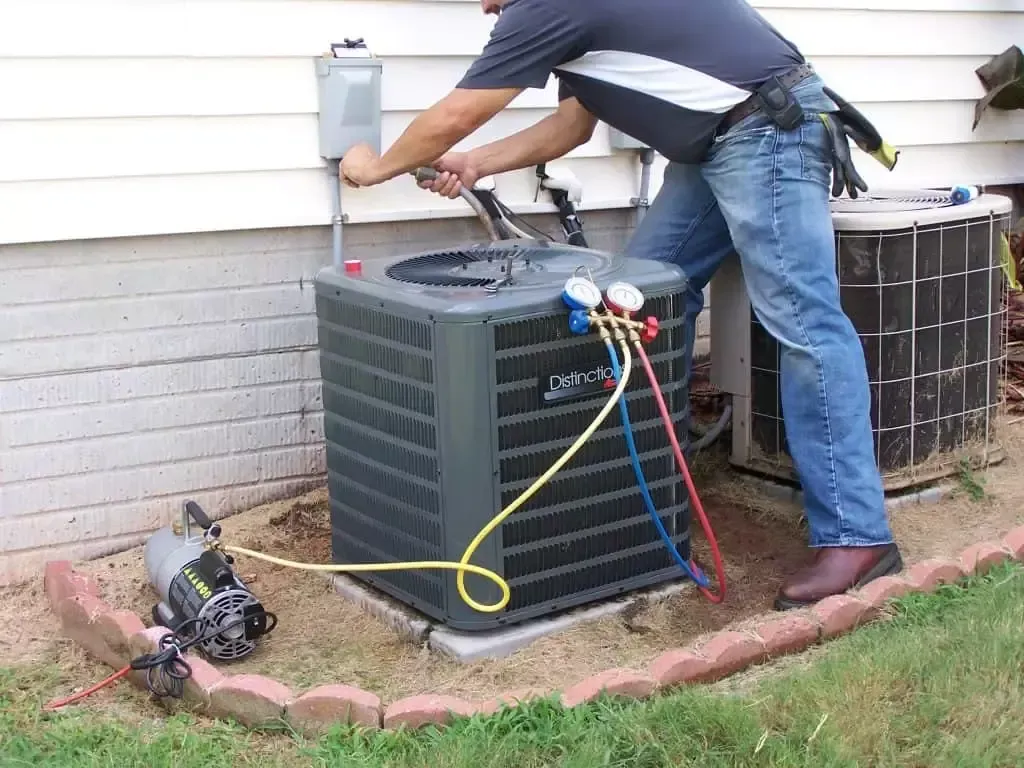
x=530, y=38
x=554, y=136
x=441, y=127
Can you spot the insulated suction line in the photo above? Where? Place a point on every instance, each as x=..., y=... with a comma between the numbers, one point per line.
x=463, y=566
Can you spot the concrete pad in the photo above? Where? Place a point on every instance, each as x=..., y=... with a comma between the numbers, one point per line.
x=409, y=624
x=927, y=496
x=790, y=495
x=465, y=647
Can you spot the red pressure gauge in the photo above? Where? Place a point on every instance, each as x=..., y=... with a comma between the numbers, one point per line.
x=624, y=297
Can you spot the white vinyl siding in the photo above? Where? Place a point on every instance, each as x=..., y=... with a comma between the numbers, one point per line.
x=157, y=117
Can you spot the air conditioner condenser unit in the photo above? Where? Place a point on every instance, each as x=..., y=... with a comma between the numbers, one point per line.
x=451, y=381
x=922, y=281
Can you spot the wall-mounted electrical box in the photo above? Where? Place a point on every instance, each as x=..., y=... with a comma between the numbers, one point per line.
x=348, y=87
x=620, y=140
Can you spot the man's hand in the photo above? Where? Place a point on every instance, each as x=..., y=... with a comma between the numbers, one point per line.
x=455, y=171
x=360, y=167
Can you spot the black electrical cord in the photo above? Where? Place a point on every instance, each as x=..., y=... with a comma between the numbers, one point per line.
x=166, y=669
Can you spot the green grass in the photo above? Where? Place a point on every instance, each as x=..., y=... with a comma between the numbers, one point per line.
x=942, y=684
x=970, y=483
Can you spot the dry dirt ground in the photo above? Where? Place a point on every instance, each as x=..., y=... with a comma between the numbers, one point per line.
x=323, y=638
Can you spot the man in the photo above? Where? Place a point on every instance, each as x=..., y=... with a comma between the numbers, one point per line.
x=746, y=172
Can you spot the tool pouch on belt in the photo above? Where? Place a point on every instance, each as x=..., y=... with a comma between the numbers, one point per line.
x=779, y=104
x=776, y=101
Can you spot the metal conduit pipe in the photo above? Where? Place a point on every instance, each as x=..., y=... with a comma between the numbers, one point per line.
x=643, y=199
x=334, y=170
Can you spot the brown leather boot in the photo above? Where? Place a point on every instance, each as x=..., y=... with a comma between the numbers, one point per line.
x=835, y=570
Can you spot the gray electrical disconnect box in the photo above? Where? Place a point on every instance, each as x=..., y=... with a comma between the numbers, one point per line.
x=348, y=87
x=620, y=140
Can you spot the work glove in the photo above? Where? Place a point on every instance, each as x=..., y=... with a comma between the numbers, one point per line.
x=849, y=123
x=844, y=174
x=863, y=133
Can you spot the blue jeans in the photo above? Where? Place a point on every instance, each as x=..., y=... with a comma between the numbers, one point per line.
x=764, y=193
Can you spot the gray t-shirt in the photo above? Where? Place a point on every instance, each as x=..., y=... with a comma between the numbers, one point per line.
x=663, y=71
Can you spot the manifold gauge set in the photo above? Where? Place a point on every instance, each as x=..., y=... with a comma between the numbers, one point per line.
x=582, y=294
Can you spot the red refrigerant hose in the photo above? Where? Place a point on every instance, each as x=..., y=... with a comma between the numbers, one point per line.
x=684, y=470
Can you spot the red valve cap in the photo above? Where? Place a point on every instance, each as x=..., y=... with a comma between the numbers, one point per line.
x=650, y=330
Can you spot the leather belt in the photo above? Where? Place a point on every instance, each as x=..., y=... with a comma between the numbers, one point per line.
x=751, y=104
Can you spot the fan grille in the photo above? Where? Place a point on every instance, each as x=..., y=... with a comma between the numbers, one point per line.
x=916, y=200
x=223, y=609
x=463, y=268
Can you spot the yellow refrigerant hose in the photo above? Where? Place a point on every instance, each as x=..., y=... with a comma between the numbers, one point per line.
x=463, y=566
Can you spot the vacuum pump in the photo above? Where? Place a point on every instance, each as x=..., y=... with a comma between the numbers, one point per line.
x=201, y=596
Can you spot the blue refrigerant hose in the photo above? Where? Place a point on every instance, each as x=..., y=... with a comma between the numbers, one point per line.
x=641, y=481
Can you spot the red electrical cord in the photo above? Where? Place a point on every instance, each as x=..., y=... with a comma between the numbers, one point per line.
x=166, y=669
x=684, y=470
x=58, y=703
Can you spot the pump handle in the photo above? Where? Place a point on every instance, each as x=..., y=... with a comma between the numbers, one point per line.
x=196, y=512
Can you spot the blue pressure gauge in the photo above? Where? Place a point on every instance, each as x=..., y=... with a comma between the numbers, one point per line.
x=580, y=293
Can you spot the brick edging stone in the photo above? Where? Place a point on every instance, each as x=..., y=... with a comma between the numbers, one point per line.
x=115, y=636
